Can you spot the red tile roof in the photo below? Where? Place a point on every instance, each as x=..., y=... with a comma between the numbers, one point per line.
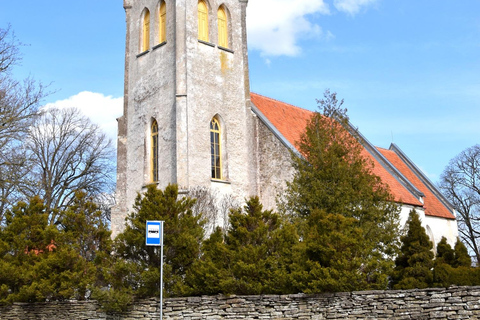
x=433, y=206
x=291, y=121
x=285, y=117
x=400, y=193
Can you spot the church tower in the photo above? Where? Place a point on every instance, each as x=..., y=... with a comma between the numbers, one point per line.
x=187, y=110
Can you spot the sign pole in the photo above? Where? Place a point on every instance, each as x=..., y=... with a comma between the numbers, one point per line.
x=161, y=275
x=154, y=237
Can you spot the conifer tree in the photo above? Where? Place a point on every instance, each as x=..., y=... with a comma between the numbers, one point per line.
x=445, y=252
x=453, y=266
x=413, y=266
x=444, y=261
x=255, y=255
x=25, y=234
x=334, y=184
x=462, y=258
x=40, y=261
x=183, y=234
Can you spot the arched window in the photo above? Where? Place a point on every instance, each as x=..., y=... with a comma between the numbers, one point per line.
x=215, y=149
x=146, y=31
x=222, y=28
x=202, y=21
x=431, y=237
x=154, y=151
x=162, y=25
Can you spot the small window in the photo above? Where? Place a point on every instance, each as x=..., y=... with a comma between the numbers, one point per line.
x=162, y=27
x=202, y=21
x=215, y=149
x=146, y=31
x=154, y=153
x=222, y=28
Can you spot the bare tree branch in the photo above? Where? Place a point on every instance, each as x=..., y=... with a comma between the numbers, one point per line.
x=19, y=105
x=460, y=182
x=68, y=154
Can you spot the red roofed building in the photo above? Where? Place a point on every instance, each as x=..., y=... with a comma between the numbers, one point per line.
x=189, y=118
x=409, y=186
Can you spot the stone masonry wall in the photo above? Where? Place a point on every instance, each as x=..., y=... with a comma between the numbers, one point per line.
x=451, y=303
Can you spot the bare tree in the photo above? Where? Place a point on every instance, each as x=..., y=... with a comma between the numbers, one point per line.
x=226, y=204
x=460, y=183
x=19, y=104
x=205, y=205
x=68, y=153
x=214, y=206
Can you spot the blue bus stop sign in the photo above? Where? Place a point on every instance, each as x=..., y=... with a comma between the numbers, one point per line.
x=154, y=233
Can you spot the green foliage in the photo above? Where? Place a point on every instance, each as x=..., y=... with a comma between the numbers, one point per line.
x=453, y=266
x=84, y=230
x=337, y=258
x=183, y=234
x=40, y=261
x=414, y=264
x=462, y=258
x=255, y=256
x=334, y=185
x=445, y=253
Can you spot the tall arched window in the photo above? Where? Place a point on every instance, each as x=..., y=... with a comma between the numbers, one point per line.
x=215, y=149
x=202, y=21
x=222, y=28
x=146, y=31
x=162, y=27
x=154, y=151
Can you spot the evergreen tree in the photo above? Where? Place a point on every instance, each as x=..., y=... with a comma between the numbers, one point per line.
x=183, y=234
x=334, y=184
x=40, y=261
x=413, y=266
x=255, y=256
x=445, y=252
x=444, y=261
x=462, y=258
x=24, y=235
x=336, y=257
x=453, y=266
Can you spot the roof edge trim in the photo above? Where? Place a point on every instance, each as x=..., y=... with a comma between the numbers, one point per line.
x=425, y=180
x=384, y=162
x=273, y=129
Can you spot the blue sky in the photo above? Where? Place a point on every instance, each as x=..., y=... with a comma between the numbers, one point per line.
x=409, y=71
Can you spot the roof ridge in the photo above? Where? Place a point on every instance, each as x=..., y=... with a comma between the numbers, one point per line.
x=382, y=148
x=291, y=105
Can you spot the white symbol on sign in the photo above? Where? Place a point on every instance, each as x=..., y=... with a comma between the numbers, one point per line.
x=154, y=231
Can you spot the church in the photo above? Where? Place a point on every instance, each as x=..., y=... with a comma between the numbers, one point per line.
x=189, y=117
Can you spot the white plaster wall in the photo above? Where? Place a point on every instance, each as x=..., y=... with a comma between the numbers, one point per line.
x=435, y=227
x=442, y=228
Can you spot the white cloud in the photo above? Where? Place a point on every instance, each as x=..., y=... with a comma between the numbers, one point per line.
x=102, y=110
x=275, y=26
x=352, y=7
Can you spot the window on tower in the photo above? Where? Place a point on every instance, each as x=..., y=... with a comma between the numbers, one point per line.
x=154, y=151
x=222, y=27
x=162, y=25
x=146, y=31
x=215, y=149
x=202, y=21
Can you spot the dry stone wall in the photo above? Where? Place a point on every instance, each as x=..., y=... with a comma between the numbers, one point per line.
x=451, y=303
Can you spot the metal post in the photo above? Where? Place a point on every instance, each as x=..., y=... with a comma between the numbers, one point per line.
x=154, y=237
x=161, y=276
